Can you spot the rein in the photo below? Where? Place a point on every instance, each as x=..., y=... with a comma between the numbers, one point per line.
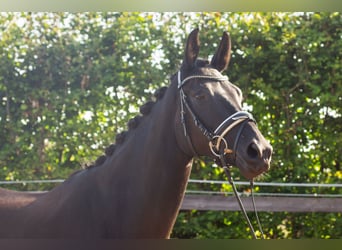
x=217, y=144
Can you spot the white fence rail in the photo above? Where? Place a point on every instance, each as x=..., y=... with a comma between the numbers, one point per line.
x=269, y=202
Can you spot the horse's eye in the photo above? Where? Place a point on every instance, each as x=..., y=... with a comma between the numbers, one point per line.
x=201, y=93
x=200, y=97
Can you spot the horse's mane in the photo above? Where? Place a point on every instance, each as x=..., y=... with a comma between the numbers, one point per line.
x=132, y=124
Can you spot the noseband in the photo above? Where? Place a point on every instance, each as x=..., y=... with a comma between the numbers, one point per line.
x=217, y=142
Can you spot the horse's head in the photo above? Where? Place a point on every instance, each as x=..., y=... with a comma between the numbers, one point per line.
x=211, y=121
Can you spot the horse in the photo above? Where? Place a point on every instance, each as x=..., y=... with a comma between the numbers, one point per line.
x=136, y=188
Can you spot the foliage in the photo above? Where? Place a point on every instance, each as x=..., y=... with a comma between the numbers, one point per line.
x=70, y=82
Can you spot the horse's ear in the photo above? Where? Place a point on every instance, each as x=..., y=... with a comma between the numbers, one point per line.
x=191, y=49
x=222, y=56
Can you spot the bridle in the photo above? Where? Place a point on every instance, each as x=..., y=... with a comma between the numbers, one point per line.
x=217, y=143
x=215, y=138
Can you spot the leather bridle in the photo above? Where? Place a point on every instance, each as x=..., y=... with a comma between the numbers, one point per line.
x=217, y=143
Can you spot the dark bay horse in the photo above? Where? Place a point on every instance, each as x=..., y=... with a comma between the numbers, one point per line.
x=136, y=188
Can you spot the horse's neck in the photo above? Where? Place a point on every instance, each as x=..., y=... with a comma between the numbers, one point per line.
x=148, y=173
x=135, y=193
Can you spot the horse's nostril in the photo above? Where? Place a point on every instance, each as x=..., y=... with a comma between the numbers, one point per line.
x=268, y=152
x=253, y=151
